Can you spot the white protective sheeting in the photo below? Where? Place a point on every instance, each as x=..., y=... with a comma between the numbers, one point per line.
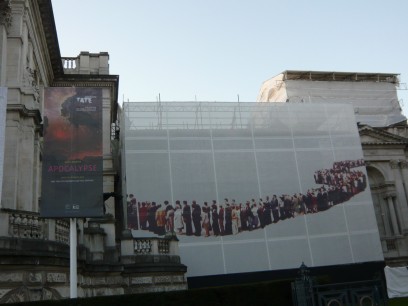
x=3, y=104
x=375, y=103
x=227, y=152
x=397, y=281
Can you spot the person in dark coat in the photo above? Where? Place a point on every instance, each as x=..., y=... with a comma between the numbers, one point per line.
x=221, y=214
x=151, y=217
x=215, y=224
x=267, y=211
x=187, y=218
x=196, y=218
x=228, y=220
x=275, y=208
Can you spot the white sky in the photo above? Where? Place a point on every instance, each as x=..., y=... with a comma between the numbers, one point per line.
x=214, y=50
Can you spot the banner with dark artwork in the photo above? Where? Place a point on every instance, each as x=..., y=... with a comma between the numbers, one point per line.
x=250, y=186
x=72, y=180
x=3, y=110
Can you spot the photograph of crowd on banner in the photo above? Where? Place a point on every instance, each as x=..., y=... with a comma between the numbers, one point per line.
x=72, y=184
x=337, y=185
x=286, y=180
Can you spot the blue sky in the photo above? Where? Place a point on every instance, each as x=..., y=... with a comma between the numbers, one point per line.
x=214, y=50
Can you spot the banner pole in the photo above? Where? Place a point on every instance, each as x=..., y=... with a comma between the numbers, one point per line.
x=73, y=258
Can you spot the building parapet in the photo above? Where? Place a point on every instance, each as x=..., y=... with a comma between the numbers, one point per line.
x=86, y=63
x=29, y=225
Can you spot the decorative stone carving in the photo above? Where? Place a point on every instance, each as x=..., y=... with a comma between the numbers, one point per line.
x=30, y=81
x=141, y=280
x=11, y=277
x=403, y=164
x=3, y=292
x=5, y=13
x=394, y=164
x=162, y=279
x=56, y=277
x=35, y=277
x=178, y=279
x=24, y=294
x=389, y=195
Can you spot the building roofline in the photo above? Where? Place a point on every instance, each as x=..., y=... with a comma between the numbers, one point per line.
x=50, y=31
x=340, y=76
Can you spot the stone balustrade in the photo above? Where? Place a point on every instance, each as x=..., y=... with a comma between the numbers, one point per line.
x=141, y=249
x=87, y=63
x=29, y=225
x=152, y=246
x=70, y=65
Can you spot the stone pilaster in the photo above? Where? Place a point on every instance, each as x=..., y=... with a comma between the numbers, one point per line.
x=393, y=215
x=401, y=199
x=385, y=216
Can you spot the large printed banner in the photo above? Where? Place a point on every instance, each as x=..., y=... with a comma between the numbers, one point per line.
x=250, y=186
x=72, y=184
x=3, y=110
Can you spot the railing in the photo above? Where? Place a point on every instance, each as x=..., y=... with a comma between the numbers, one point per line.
x=70, y=64
x=62, y=231
x=152, y=246
x=29, y=225
x=305, y=292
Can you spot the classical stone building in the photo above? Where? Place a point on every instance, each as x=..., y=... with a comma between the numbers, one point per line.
x=384, y=137
x=34, y=252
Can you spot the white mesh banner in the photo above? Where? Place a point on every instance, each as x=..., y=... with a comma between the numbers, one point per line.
x=397, y=281
x=3, y=107
x=250, y=186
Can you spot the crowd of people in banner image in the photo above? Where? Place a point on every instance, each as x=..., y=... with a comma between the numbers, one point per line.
x=338, y=185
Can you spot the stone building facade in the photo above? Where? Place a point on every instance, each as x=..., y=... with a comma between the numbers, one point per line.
x=384, y=138
x=34, y=252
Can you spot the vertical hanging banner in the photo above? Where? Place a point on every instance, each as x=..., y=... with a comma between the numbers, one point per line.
x=72, y=173
x=3, y=109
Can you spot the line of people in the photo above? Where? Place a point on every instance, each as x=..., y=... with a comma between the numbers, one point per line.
x=338, y=185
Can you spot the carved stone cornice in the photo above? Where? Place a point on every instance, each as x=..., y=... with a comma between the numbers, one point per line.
x=371, y=136
x=5, y=13
x=25, y=112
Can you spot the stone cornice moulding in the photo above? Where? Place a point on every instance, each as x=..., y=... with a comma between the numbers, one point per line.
x=25, y=112
x=385, y=138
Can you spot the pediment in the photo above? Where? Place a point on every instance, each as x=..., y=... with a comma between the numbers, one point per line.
x=370, y=135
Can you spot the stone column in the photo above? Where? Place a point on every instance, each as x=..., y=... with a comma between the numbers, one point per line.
x=11, y=156
x=26, y=166
x=385, y=217
x=404, y=172
x=393, y=215
x=401, y=199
